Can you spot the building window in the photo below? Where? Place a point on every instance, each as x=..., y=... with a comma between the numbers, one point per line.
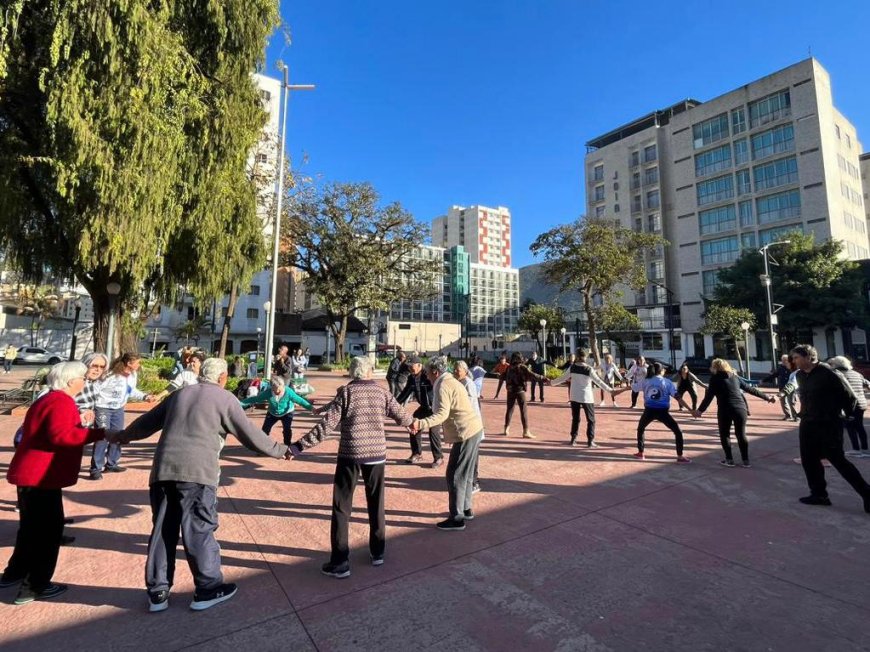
x=652, y=200
x=638, y=225
x=710, y=131
x=657, y=269
x=715, y=190
x=255, y=290
x=636, y=205
x=738, y=121
x=837, y=131
x=710, y=279
x=772, y=235
x=635, y=180
x=775, y=173
x=741, y=151
x=848, y=141
x=774, y=141
x=253, y=313
x=773, y=107
x=744, y=187
x=722, y=250
x=782, y=206
x=712, y=161
x=616, y=208
x=651, y=176
x=635, y=159
x=652, y=341
x=747, y=241
x=745, y=210
x=598, y=173
x=266, y=96
x=654, y=223
x=650, y=153
x=599, y=211
x=598, y=193
x=717, y=219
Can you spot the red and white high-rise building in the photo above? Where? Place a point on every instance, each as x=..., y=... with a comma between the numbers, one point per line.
x=484, y=232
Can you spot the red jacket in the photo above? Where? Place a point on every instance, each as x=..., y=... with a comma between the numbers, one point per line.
x=50, y=453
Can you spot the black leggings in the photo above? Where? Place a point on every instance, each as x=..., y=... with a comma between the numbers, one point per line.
x=634, y=396
x=516, y=398
x=691, y=391
x=664, y=416
x=726, y=418
x=855, y=429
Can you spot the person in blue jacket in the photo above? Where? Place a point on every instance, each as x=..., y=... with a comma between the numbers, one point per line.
x=657, y=394
x=282, y=402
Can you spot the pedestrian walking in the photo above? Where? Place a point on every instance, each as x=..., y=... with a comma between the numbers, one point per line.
x=419, y=387
x=728, y=389
x=9, y=356
x=358, y=412
x=515, y=378
x=538, y=366
x=463, y=429
x=686, y=381
x=854, y=423
x=280, y=401
x=397, y=374
x=609, y=373
x=184, y=480
x=657, y=394
x=582, y=377
x=500, y=368
x=636, y=377
x=783, y=375
x=825, y=398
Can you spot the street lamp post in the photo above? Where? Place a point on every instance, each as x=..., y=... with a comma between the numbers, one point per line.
x=564, y=351
x=543, y=324
x=114, y=289
x=270, y=331
x=327, y=344
x=276, y=235
x=745, y=326
x=395, y=341
x=75, y=337
x=266, y=367
x=771, y=313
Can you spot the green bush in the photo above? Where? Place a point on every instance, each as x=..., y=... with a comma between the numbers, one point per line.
x=233, y=384
x=150, y=380
x=161, y=367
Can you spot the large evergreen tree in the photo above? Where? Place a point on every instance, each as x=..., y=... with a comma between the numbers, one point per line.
x=124, y=133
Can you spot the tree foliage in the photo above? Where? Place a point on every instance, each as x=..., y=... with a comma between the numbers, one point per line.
x=124, y=132
x=727, y=320
x=355, y=253
x=531, y=316
x=39, y=302
x=594, y=257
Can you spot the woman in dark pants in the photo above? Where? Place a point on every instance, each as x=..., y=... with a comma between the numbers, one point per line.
x=685, y=381
x=515, y=379
x=657, y=394
x=281, y=401
x=727, y=388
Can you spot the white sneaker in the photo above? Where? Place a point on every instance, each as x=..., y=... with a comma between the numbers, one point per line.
x=855, y=454
x=601, y=404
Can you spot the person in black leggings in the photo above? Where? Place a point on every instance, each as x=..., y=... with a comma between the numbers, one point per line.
x=685, y=381
x=657, y=394
x=727, y=388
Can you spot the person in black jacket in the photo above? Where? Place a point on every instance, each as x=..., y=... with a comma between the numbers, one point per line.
x=786, y=401
x=397, y=374
x=538, y=366
x=727, y=388
x=420, y=389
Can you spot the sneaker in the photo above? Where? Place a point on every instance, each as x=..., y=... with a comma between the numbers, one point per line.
x=451, y=525
x=436, y=463
x=507, y=431
x=728, y=463
x=52, y=591
x=573, y=440
x=377, y=560
x=116, y=469
x=475, y=488
x=6, y=583
x=822, y=501
x=854, y=454
x=591, y=444
x=638, y=455
x=746, y=464
x=601, y=404
x=413, y=459
x=69, y=520
x=528, y=435
x=865, y=453
x=158, y=601
x=786, y=418
x=96, y=475
x=469, y=514
x=338, y=571
x=615, y=404
x=682, y=459
x=205, y=599
x=67, y=540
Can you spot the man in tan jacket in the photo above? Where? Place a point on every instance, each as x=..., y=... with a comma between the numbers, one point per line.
x=463, y=429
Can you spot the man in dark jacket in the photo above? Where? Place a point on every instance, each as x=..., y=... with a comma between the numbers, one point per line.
x=825, y=396
x=538, y=366
x=397, y=374
x=786, y=401
x=420, y=389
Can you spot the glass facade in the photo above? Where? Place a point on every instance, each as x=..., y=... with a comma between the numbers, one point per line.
x=709, y=280
x=773, y=107
x=722, y=250
x=714, y=160
x=773, y=141
x=710, y=131
x=745, y=211
x=741, y=151
x=776, y=173
x=744, y=186
x=782, y=206
x=714, y=190
x=717, y=219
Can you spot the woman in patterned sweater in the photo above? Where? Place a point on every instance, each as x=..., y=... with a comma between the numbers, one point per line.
x=358, y=412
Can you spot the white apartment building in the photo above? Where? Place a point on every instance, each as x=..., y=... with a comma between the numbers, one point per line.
x=719, y=177
x=865, y=182
x=484, y=232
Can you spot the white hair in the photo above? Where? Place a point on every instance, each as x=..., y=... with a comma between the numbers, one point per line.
x=460, y=364
x=63, y=373
x=212, y=369
x=840, y=362
x=360, y=367
x=276, y=383
x=438, y=363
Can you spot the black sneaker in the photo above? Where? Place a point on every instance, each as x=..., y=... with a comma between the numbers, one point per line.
x=205, y=599
x=377, y=560
x=338, y=571
x=96, y=475
x=451, y=525
x=69, y=520
x=158, y=601
x=6, y=583
x=115, y=469
x=66, y=540
x=823, y=501
x=728, y=463
x=469, y=514
x=52, y=591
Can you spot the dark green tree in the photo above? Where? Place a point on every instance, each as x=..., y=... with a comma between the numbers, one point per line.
x=726, y=320
x=530, y=321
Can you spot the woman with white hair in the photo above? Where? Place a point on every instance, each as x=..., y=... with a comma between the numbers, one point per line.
x=854, y=423
x=281, y=402
x=97, y=365
x=47, y=460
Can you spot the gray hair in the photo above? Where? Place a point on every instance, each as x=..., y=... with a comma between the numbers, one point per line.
x=437, y=363
x=461, y=364
x=212, y=369
x=840, y=362
x=90, y=357
x=360, y=367
x=63, y=373
x=276, y=383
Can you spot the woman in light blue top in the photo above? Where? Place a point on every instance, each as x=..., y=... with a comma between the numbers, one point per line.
x=282, y=402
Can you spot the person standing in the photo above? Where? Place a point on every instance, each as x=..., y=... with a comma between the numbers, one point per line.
x=253, y=368
x=685, y=381
x=184, y=480
x=46, y=461
x=582, y=377
x=463, y=429
x=855, y=425
x=636, y=377
x=515, y=379
x=9, y=358
x=478, y=373
x=657, y=393
x=538, y=366
x=282, y=365
x=500, y=368
x=297, y=364
x=397, y=372
x=358, y=411
x=188, y=377
x=727, y=388
x=782, y=375
x=280, y=401
x=610, y=375
x=463, y=374
x=825, y=396
x=419, y=387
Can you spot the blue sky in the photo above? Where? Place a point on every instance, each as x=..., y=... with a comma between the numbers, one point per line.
x=491, y=102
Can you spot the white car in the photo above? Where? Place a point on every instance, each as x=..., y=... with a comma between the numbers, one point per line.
x=38, y=355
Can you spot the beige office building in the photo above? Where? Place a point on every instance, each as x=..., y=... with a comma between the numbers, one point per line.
x=484, y=232
x=719, y=177
x=865, y=182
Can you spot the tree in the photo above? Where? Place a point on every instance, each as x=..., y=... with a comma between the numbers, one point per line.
x=726, y=320
x=355, y=253
x=816, y=286
x=615, y=321
x=39, y=302
x=594, y=257
x=191, y=329
x=124, y=133
x=530, y=321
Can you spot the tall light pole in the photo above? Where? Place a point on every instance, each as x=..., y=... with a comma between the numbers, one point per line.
x=276, y=235
x=114, y=289
x=771, y=313
x=267, y=370
x=543, y=324
x=75, y=338
x=564, y=352
x=745, y=326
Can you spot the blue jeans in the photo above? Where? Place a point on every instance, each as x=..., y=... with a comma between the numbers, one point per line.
x=7, y=365
x=114, y=420
x=286, y=423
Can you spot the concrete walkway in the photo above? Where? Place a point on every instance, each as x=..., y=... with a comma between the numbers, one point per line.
x=572, y=549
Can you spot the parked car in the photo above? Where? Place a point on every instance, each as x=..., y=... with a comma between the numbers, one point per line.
x=38, y=355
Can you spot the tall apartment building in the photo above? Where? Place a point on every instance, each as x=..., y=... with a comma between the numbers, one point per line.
x=484, y=232
x=719, y=177
x=864, y=164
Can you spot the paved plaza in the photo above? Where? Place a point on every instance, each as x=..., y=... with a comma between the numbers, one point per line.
x=572, y=549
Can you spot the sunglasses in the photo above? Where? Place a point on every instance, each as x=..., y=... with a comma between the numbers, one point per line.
x=96, y=366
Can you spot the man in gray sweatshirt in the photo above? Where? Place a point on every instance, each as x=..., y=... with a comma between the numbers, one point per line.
x=183, y=487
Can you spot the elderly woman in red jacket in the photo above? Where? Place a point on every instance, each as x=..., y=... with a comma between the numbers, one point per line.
x=47, y=460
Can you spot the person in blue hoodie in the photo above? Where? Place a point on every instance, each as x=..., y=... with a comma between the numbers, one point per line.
x=657, y=394
x=282, y=402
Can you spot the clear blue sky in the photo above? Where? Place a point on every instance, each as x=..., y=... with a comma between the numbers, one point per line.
x=491, y=101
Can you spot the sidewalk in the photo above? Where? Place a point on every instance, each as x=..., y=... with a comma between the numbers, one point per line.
x=571, y=549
